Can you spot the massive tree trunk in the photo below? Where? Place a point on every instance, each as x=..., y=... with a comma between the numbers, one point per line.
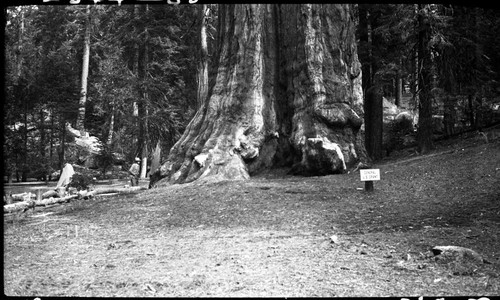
x=202, y=56
x=287, y=92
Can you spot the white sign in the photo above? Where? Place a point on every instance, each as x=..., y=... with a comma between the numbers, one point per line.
x=370, y=174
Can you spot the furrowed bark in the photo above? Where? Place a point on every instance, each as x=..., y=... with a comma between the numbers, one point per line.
x=286, y=75
x=324, y=80
x=224, y=139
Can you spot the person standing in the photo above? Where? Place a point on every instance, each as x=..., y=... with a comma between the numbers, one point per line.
x=134, y=172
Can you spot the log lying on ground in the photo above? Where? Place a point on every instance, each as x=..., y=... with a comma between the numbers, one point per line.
x=24, y=205
x=98, y=191
x=124, y=190
x=28, y=195
x=25, y=196
x=49, y=201
x=50, y=193
x=18, y=206
x=22, y=196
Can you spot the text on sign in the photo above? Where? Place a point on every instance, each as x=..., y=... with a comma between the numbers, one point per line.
x=370, y=174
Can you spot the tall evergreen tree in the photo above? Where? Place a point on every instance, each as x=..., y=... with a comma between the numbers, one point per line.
x=85, y=71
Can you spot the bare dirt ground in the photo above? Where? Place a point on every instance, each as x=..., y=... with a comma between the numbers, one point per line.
x=273, y=235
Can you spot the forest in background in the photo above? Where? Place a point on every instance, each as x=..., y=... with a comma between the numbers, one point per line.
x=143, y=62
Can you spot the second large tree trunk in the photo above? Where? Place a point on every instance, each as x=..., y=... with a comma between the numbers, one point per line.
x=287, y=93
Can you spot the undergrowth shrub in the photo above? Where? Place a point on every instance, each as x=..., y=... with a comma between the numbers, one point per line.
x=81, y=181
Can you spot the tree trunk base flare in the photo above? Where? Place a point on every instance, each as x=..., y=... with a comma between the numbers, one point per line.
x=287, y=93
x=320, y=157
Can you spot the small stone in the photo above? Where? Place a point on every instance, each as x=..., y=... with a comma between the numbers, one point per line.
x=457, y=252
x=334, y=239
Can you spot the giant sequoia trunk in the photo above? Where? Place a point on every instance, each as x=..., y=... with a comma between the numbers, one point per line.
x=202, y=56
x=287, y=93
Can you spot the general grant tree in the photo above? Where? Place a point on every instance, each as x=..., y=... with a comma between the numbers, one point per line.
x=287, y=92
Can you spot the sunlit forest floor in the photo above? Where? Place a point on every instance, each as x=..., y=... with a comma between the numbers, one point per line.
x=274, y=235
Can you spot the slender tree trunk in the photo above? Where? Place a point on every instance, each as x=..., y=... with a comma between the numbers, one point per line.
x=288, y=79
x=142, y=69
x=449, y=84
x=80, y=122
x=373, y=107
x=425, y=128
x=51, y=149
x=111, y=123
x=42, y=138
x=399, y=86
x=449, y=117
x=476, y=111
x=18, y=74
x=24, y=171
x=371, y=70
x=470, y=103
x=62, y=148
x=414, y=84
x=20, y=58
x=365, y=39
x=374, y=122
x=415, y=68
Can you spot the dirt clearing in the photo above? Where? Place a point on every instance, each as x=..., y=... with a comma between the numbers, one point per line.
x=273, y=236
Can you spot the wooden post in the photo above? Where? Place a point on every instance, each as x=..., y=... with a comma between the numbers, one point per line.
x=38, y=194
x=369, y=186
x=368, y=176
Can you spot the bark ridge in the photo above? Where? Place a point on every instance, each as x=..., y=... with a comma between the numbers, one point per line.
x=288, y=76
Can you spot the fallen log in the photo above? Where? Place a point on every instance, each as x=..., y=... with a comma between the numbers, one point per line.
x=50, y=193
x=124, y=190
x=49, y=201
x=18, y=206
x=23, y=196
x=111, y=190
x=83, y=194
x=25, y=205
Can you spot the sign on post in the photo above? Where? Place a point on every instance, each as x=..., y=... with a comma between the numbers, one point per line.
x=369, y=174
